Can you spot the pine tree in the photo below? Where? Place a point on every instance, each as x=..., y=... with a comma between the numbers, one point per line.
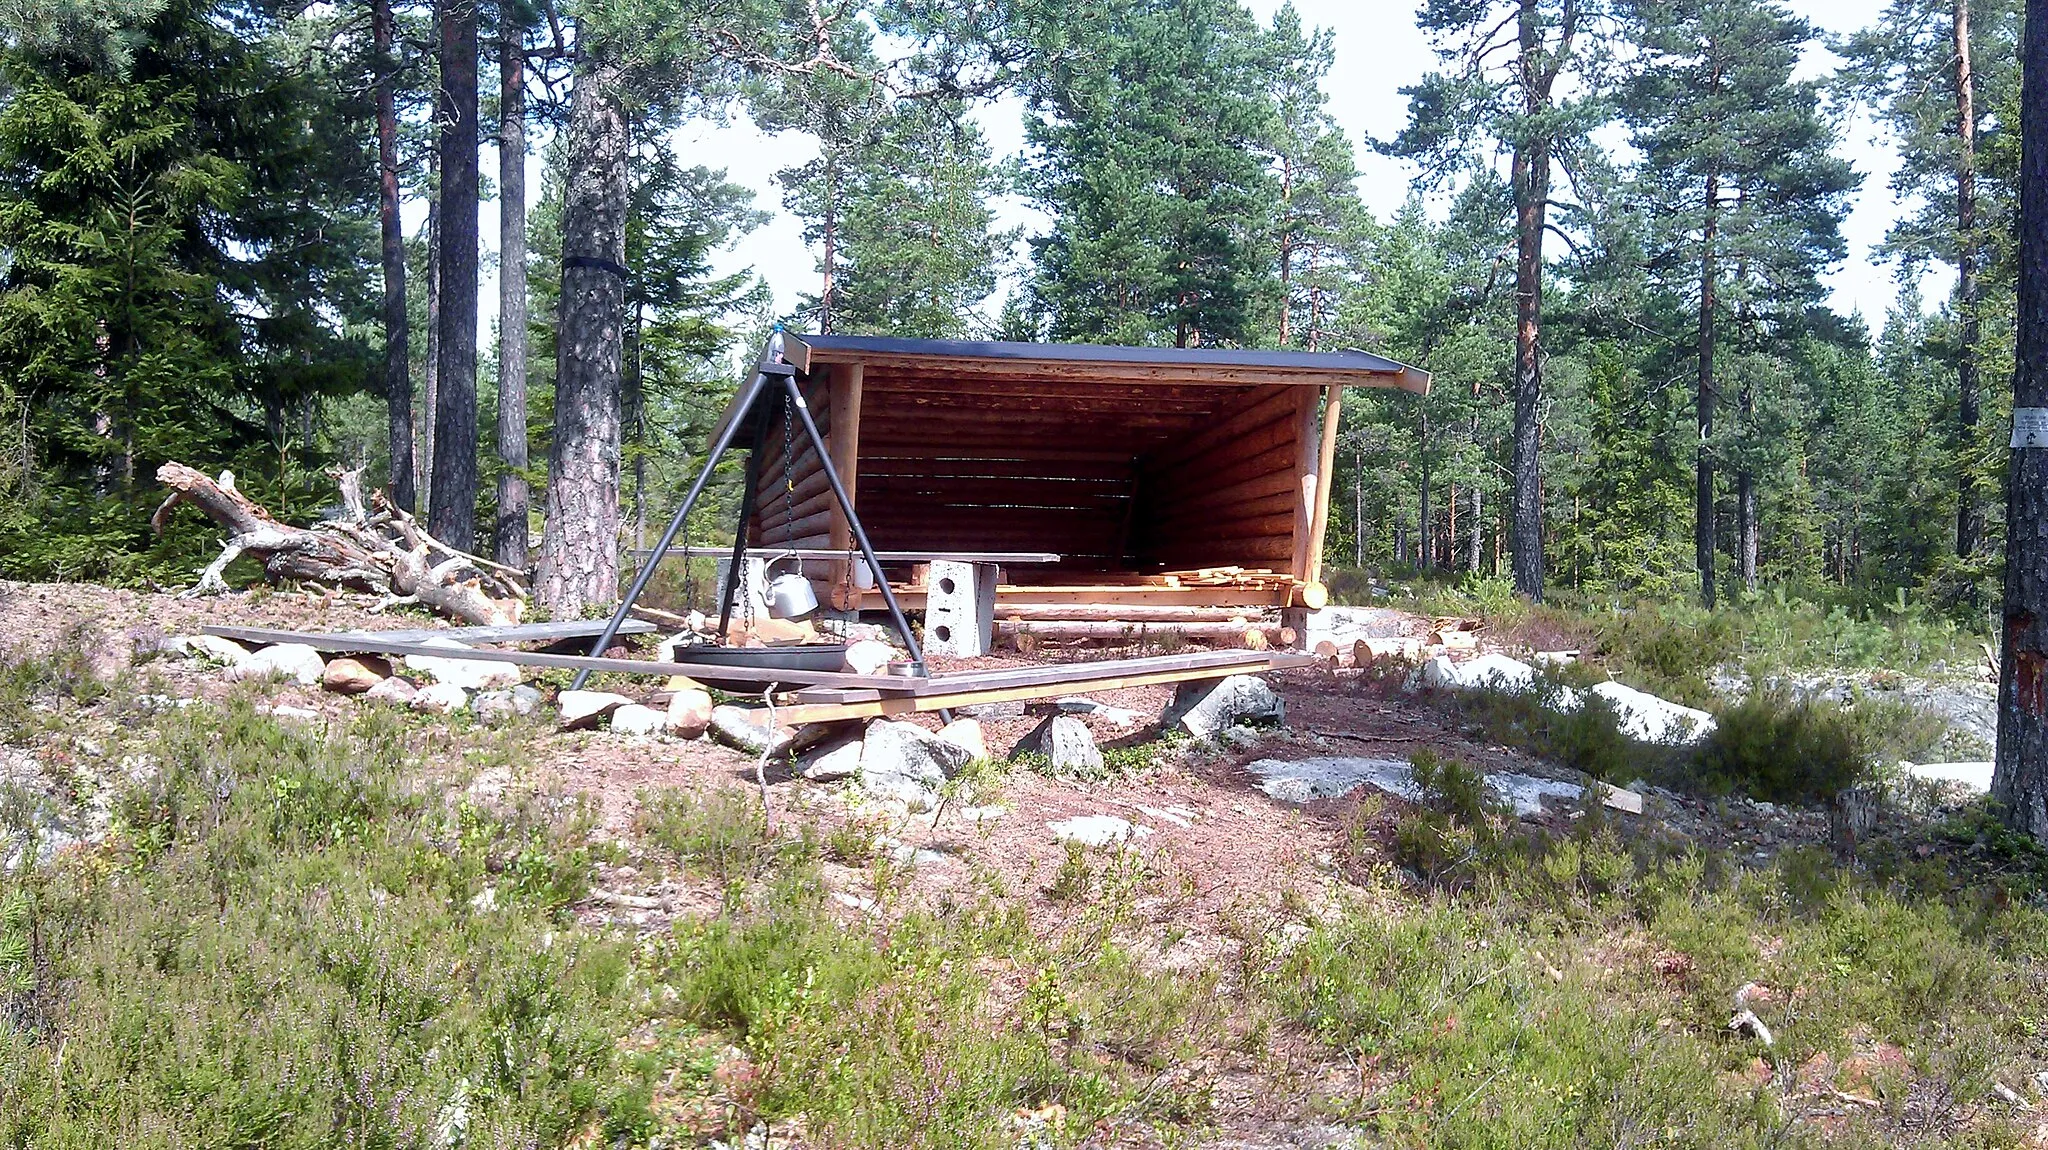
x=451, y=508
x=918, y=250
x=1941, y=128
x=1737, y=175
x=1512, y=65
x=1320, y=221
x=2020, y=780
x=1149, y=129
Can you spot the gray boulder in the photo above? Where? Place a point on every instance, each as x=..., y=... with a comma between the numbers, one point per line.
x=1067, y=742
x=904, y=761
x=738, y=728
x=1206, y=709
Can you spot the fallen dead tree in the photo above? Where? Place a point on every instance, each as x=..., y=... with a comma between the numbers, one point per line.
x=379, y=549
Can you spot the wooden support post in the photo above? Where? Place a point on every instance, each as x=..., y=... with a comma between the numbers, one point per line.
x=1326, y=466
x=845, y=444
x=1307, y=457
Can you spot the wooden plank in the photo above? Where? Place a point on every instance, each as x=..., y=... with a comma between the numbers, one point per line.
x=328, y=641
x=948, y=697
x=919, y=448
x=1130, y=632
x=1083, y=471
x=1307, y=456
x=1250, y=597
x=512, y=633
x=1333, y=414
x=1004, y=557
x=929, y=383
x=1029, y=612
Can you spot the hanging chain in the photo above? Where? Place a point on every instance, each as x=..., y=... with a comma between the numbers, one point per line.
x=789, y=471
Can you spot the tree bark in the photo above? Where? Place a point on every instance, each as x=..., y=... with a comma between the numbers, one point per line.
x=397, y=316
x=1969, y=489
x=430, y=399
x=510, y=543
x=1745, y=494
x=1703, y=496
x=2020, y=779
x=579, y=553
x=1425, y=528
x=1530, y=176
x=451, y=513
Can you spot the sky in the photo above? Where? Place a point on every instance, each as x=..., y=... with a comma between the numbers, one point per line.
x=1378, y=52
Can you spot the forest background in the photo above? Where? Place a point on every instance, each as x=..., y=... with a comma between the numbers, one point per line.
x=247, y=235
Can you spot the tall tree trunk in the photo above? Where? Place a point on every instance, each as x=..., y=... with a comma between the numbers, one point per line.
x=1531, y=176
x=431, y=394
x=397, y=316
x=1425, y=529
x=1358, y=505
x=1703, y=496
x=579, y=547
x=510, y=536
x=1478, y=547
x=1286, y=253
x=635, y=417
x=451, y=516
x=831, y=260
x=2020, y=779
x=1969, y=488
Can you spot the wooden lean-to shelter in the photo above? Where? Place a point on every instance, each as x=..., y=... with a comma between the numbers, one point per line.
x=1161, y=478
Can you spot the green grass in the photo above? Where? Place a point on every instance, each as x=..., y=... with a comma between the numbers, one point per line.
x=287, y=941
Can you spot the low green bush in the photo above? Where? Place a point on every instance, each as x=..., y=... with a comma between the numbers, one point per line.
x=1774, y=747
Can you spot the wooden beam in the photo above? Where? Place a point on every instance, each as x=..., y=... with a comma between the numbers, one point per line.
x=1250, y=597
x=511, y=633
x=330, y=641
x=1319, y=531
x=1104, y=676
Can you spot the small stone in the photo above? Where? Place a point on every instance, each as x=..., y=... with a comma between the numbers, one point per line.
x=208, y=647
x=471, y=674
x=520, y=700
x=738, y=728
x=582, y=709
x=689, y=712
x=440, y=699
x=297, y=714
x=967, y=735
x=1006, y=710
x=393, y=690
x=868, y=657
x=294, y=661
x=1066, y=741
x=1115, y=716
x=1096, y=830
x=831, y=762
x=354, y=674
x=635, y=719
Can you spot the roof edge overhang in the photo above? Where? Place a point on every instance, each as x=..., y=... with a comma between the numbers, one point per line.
x=1165, y=366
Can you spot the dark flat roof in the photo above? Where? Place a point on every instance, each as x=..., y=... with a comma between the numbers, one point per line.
x=1349, y=360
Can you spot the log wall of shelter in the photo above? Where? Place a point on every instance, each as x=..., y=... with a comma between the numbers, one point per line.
x=966, y=463
x=1230, y=493
x=803, y=517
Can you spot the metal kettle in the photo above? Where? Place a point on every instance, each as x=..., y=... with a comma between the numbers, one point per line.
x=790, y=595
